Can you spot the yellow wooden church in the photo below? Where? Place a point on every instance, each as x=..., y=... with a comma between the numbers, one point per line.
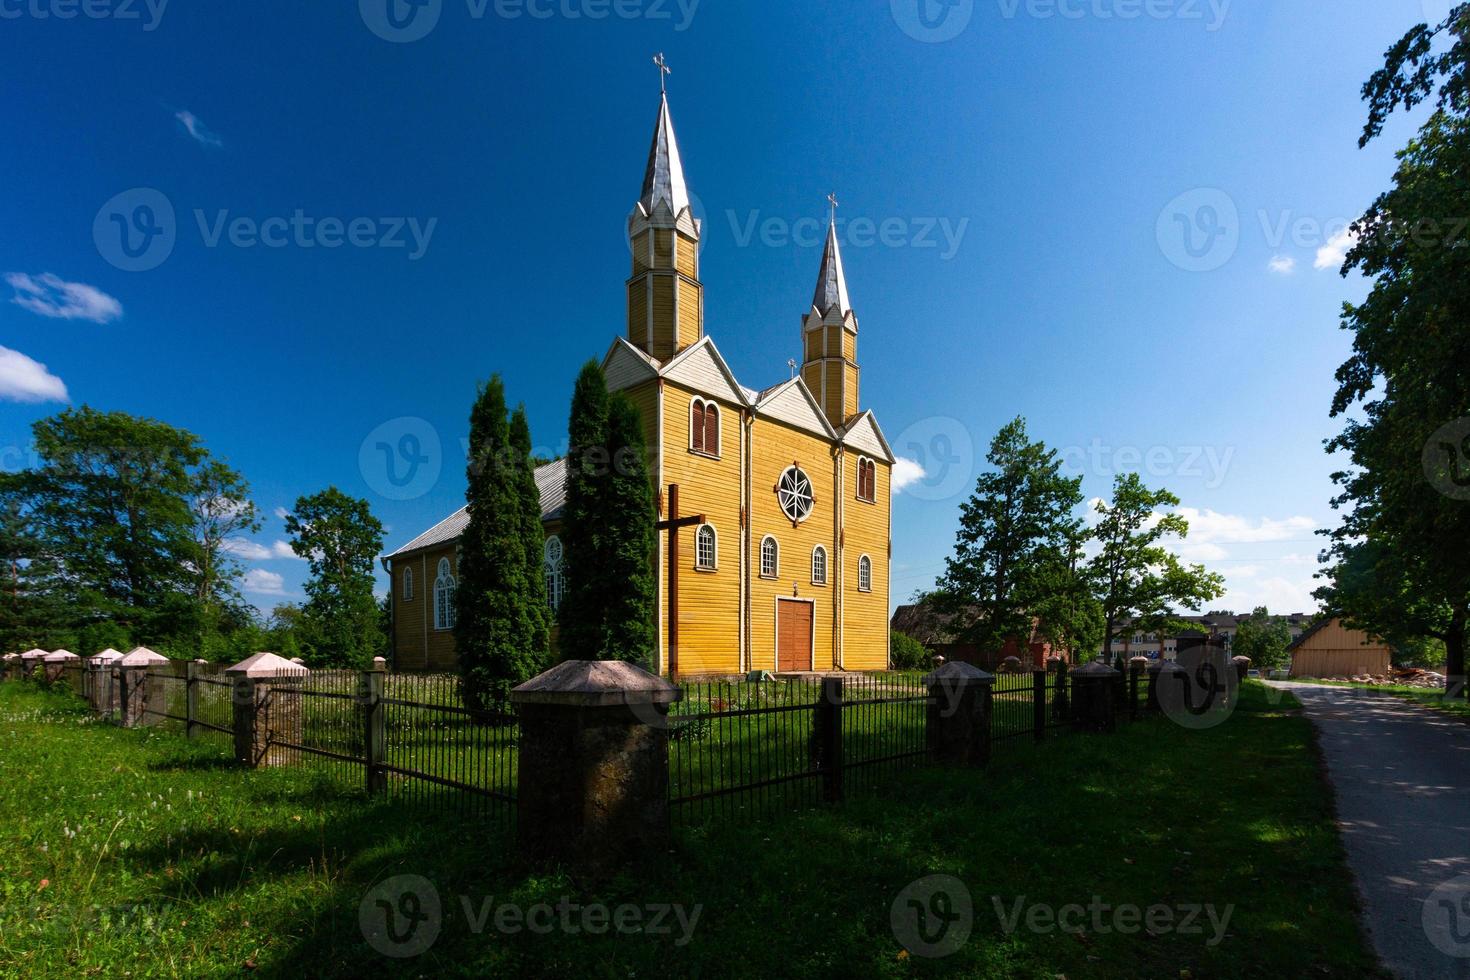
x=789, y=570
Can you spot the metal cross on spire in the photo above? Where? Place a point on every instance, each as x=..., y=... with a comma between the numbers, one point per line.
x=664, y=71
x=832, y=199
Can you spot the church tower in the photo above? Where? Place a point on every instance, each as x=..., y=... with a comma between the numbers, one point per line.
x=665, y=297
x=829, y=338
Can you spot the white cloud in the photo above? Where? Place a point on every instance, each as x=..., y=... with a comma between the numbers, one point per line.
x=1212, y=526
x=255, y=551
x=25, y=380
x=282, y=513
x=1282, y=265
x=195, y=128
x=261, y=582
x=1279, y=594
x=1334, y=253
x=51, y=296
x=906, y=472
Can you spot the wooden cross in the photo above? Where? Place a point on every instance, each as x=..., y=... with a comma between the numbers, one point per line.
x=664, y=71
x=672, y=523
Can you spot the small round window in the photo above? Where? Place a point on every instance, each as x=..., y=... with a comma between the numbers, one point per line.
x=794, y=493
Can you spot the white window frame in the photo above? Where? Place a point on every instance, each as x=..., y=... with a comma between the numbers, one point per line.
x=407, y=592
x=700, y=565
x=819, y=579
x=556, y=586
x=792, y=470
x=775, y=571
x=865, y=570
x=708, y=407
x=444, y=586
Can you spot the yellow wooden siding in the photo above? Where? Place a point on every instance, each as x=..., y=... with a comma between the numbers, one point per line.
x=686, y=259
x=709, y=602
x=663, y=317
x=639, y=247
x=865, y=614
x=776, y=447
x=690, y=325
x=812, y=375
x=811, y=342
x=1336, y=651
x=850, y=391
x=663, y=248
x=415, y=647
x=833, y=341
x=638, y=313
x=849, y=345
x=833, y=400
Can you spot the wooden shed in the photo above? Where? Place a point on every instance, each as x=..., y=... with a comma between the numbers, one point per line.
x=1330, y=649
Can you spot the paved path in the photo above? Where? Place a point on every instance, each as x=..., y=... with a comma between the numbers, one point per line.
x=1402, y=777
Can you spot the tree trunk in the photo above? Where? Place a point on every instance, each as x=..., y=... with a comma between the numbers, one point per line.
x=1454, y=661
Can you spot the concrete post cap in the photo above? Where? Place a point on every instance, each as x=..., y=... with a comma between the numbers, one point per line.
x=60, y=656
x=33, y=654
x=596, y=683
x=266, y=665
x=1167, y=666
x=380, y=663
x=1093, y=668
x=958, y=672
x=105, y=657
x=142, y=657
x=11, y=656
x=1240, y=660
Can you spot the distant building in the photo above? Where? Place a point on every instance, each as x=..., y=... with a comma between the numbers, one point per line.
x=935, y=630
x=1330, y=649
x=1216, y=626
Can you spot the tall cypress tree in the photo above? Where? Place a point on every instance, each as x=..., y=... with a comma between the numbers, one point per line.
x=581, y=615
x=495, y=629
x=629, y=515
x=533, y=538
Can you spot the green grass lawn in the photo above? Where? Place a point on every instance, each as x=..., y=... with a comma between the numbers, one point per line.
x=139, y=853
x=1429, y=697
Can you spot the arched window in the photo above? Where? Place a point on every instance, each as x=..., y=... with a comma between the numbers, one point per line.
x=819, y=565
x=867, y=479
x=444, y=597
x=794, y=494
x=770, y=557
x=706, y=548
x=865, y=574
x=408, y=584
x=555, y=583
x=704, y=427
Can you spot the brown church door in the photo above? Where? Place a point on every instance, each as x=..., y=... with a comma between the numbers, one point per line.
x=793, y=635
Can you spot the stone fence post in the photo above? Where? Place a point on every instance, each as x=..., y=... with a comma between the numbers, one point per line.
x=131, y=673
x=1166, y=683
x=267, y=708
x=1242, y=667
x=957, y=719
x=10, y=667
x=594, y=763
x=56, y=664
x=1094, y=697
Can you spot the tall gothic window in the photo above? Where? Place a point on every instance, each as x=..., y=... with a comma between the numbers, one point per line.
x=444, y=597
x=865, y=574
x=867, y=479
x=408, y=584
x=704, y=427
x=705, y=548
x=555, y=581
x=770, y=558
x=819, y=565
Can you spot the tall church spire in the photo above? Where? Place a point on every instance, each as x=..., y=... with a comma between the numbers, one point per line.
x=665, y=297
x=829, y=336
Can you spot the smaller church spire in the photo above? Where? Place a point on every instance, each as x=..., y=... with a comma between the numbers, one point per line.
x=664, y=178
x=831, y=281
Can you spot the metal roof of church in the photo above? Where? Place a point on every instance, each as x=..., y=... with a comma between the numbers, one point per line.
x=664, y=179
x=551, y=481
x=832, y=281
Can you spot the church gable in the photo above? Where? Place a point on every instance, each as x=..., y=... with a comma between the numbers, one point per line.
x=701, y=368
x=793, y=404
x=863, y=434
x=626, y=366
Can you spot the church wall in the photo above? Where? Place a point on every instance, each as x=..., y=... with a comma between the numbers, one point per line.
x=865, y=614
x=709, y=602
x=774, y=448
x=415, y=647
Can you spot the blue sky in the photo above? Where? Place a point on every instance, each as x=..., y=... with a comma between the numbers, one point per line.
x=1015, y=197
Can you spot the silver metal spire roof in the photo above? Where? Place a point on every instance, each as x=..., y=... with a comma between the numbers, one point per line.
x=832, y=282
x=664, y=180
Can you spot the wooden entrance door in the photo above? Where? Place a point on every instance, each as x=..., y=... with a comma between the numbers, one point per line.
x=793, y=635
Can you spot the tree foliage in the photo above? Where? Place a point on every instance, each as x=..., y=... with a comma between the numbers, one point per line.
x=1264, y=639
x=340, y=539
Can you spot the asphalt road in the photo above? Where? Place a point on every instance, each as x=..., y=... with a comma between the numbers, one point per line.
x=1402, y=778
